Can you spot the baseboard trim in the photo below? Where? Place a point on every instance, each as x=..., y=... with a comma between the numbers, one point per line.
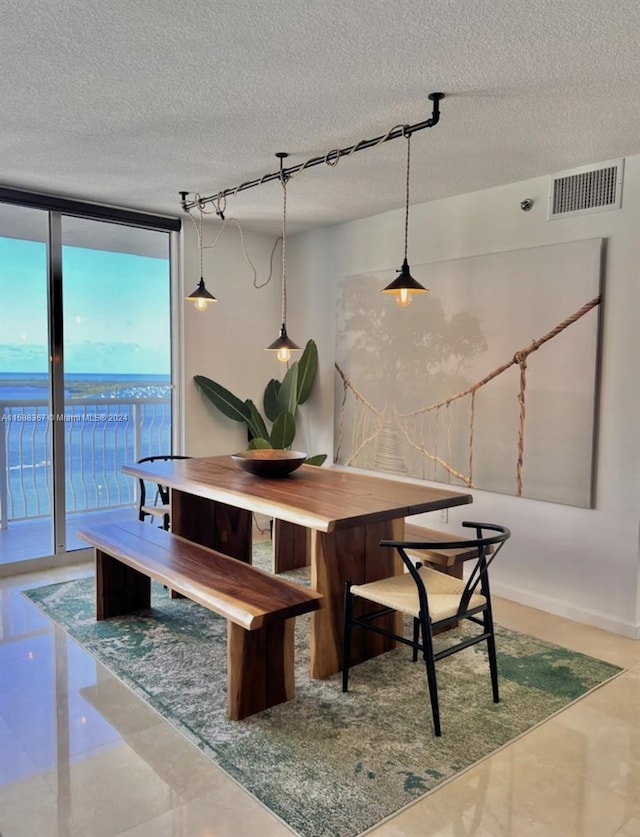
x=557, y=608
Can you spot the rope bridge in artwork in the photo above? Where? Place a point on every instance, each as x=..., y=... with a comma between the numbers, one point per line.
x=368, y=426
x=420, y=429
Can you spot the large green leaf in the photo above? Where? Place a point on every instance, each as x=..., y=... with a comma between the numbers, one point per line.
x=318, y=459
x=307, y=368
x=283, y=431
x=263, y=444
x=225, y=401
x=270, y=401
x=288, y=393
x=256, y=423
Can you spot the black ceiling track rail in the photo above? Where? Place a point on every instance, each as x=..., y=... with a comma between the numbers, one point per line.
x=331, y=158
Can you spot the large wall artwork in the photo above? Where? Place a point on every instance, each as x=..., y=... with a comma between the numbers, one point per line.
x=489, y=381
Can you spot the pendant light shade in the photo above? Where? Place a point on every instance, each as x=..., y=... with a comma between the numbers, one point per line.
x=404, y=286
x=201, y=296
x=283, y=345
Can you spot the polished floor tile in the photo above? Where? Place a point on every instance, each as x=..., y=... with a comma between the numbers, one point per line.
x=593, y=743
x=15, y=763
x=82, y=756
x=427, y=817
x=516, y=793
x=111, y=790
x=29, y=807
x=630, y=828
x=586, y=639
x=225, y=812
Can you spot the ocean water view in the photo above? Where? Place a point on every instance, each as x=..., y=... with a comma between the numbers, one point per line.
x=35, y=385
x=108, y=420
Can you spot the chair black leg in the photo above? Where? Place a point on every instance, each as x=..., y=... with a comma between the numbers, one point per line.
x=427, y=641
x=416, y=639
x=346, y=643
x=491, y=651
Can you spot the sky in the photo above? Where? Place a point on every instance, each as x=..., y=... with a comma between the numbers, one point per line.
x=116, y=310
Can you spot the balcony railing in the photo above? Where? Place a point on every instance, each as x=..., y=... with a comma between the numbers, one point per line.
x=100, y=436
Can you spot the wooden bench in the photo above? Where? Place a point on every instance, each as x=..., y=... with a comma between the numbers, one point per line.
x=448, y=561
x=292, y=552
x=260, y=608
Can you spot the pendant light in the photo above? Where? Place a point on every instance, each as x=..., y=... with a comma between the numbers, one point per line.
x=404, y=286
x=282, y=344
x=201, y=296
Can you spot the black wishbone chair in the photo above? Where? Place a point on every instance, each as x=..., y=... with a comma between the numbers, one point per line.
x=159, y=508
x=434, y=600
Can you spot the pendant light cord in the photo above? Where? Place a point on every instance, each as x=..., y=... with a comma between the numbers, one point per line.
x=200, y=244
x=284, y=249
x=226, y=221
x=406, y=215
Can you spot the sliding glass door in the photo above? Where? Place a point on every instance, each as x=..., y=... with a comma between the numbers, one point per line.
x=117, y=363
x=85, y=372
x=26, y=440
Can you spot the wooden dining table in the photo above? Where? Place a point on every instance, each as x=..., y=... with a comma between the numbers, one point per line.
x=331, y=518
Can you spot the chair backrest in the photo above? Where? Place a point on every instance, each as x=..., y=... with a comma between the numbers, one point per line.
x=162, y=492
x=486, y=547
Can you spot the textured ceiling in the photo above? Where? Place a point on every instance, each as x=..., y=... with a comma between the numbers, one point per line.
x=128, y=103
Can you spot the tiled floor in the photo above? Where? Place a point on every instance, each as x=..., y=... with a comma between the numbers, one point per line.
x=81, y=756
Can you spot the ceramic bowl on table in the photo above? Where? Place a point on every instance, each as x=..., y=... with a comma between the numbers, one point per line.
x=265, y=462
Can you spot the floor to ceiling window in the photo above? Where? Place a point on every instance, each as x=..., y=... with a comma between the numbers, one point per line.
x=85, y=367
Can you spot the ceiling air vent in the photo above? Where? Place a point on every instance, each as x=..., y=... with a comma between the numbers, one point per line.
x=586, y=189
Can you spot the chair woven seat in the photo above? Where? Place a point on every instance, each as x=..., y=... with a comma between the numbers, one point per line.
x=156, y=511
x=400, y=593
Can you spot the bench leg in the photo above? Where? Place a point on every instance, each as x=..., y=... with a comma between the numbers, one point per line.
x=119, y=589
x=260, y=668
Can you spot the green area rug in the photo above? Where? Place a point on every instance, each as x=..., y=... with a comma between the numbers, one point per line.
x=328, y=764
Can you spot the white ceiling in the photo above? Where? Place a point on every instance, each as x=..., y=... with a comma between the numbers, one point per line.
x=127, y=103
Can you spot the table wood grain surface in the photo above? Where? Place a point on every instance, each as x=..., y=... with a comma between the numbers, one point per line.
x=324, y=499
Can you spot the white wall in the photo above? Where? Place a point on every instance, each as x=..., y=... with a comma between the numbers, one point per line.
x=221, y=342
x=581, y=563
x=227, y=341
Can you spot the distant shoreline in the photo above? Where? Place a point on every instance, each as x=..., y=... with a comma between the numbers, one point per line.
x=84, y=384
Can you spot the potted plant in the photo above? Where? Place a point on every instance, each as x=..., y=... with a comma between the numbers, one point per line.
x=281, y=400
